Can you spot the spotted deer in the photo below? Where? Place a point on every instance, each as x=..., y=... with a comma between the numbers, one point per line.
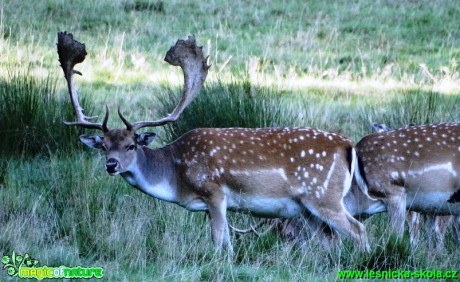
x=437, y=224
x=415, y=168
x=267, y=172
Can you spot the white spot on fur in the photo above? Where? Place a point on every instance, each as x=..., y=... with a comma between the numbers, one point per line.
x=329, y=173
x=213, y=151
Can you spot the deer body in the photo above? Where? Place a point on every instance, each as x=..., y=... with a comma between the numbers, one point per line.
x=271, y=172
x=438, y=224
x=415, y=168
x=268, y=172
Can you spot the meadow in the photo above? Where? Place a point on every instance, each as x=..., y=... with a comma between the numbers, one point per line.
x=337, y=66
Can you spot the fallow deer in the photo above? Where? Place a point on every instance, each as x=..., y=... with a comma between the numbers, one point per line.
x=437, y=224
x=268, y=172
x=415, y=168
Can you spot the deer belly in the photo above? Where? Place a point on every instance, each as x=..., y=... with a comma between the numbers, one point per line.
x=437, y=203
x=264, y=207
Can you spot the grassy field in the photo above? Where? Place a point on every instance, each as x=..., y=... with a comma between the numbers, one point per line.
x=332, y=65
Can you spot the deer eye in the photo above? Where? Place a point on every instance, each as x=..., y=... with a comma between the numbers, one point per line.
x=131, y=147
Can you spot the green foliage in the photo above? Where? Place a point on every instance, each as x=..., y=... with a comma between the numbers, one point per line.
x=31, y=115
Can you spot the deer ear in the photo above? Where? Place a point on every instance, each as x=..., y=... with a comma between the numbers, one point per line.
x=92, y=141
x=144, y=139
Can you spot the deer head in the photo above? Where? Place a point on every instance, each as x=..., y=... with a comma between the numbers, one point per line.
x=120, y=145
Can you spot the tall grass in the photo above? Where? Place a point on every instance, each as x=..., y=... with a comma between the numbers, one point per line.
x=237, y=103
x=31, y=115
x=412, y=107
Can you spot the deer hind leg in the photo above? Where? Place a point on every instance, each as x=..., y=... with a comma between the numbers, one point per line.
x=336, y=216
x=327, y=236
x=413, y=220
x=438, y=226
x=396, y=204
x=456, y=227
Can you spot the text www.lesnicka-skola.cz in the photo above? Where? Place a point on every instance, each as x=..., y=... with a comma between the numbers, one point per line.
x=397, y=274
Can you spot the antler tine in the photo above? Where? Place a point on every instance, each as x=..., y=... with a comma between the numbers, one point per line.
x=187, y=55
x=72, y=52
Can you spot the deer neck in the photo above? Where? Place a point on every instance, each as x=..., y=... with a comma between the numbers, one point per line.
x=153, y=173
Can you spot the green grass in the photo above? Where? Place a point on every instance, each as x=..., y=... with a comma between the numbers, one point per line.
x=332, y=65
x=127, y=38
x=32, y=115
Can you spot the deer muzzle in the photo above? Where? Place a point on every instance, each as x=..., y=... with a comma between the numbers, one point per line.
x=112, y=166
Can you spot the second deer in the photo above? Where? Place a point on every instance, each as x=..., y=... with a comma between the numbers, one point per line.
x=415, y=168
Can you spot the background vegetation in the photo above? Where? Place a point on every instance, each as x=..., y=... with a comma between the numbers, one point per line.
x=333, y=65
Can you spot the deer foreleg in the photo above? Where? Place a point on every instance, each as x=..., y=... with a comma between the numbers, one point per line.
x=220, y=234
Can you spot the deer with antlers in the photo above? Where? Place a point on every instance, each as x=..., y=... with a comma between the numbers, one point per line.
x=267, y=172
x=415, y=168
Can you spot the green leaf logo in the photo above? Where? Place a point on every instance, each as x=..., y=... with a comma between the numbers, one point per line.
x=14, y=262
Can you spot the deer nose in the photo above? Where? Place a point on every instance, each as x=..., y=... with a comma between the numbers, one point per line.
x=111, y=165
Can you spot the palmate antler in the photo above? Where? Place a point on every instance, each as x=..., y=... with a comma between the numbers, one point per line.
x=72, y=52
x=194, y=65
x=185, y=53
